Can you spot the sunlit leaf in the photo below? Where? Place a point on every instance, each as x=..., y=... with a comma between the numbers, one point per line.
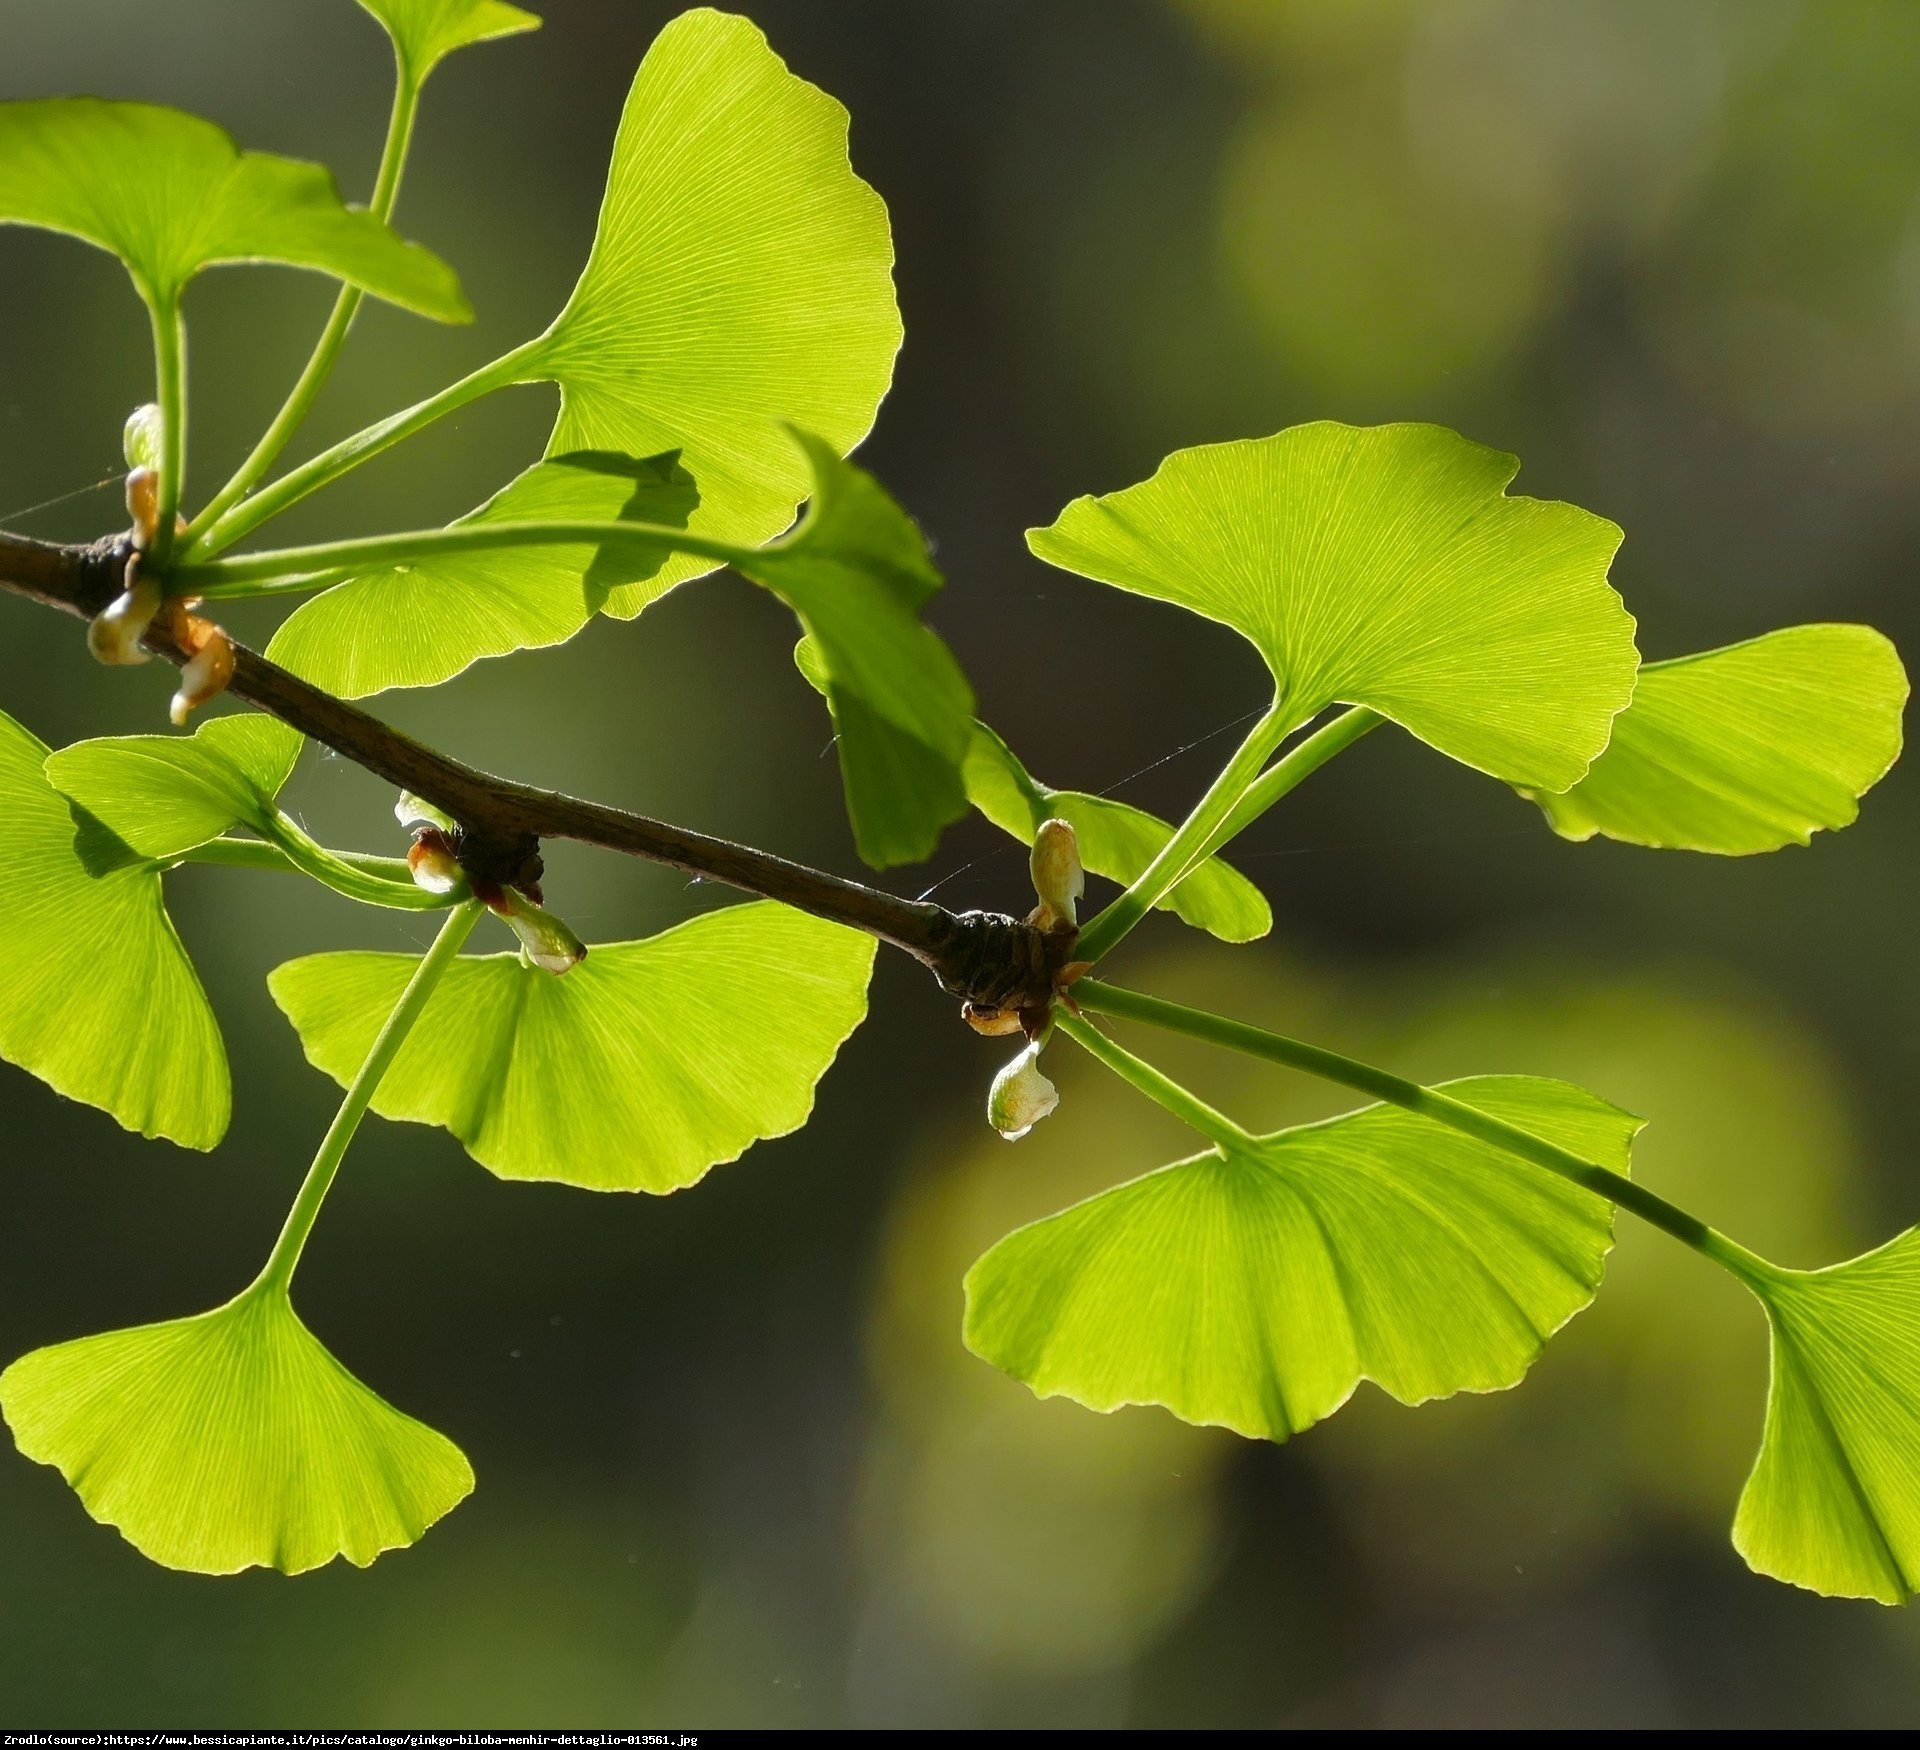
x=644, y=1066
x=1115, y=840
x=1747, y=748
x=165, y=794
x=1385, y=566
x=231, y=1440
x=97, y=996
x=1255, y=1290
x=1834, y=1500
x=425, y=31
x=741, y=276
x=170, y=194
x=419, y=624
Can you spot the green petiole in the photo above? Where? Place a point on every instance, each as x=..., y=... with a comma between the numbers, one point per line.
x=1332, y=1066
x=285, y=1256
x=371, y=880
x=170, y=391
x=1216, y=1127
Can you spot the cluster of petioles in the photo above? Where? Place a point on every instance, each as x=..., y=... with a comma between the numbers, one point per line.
x=1021, y=1094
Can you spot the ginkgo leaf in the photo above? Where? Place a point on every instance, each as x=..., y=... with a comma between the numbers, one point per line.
x=649, y=1063
x=1255, y=1290
x=231, y=1440
x=97, y=996
x=1833, y=1503
x=426, y=31
x=419, y=624
x=170, y=193
x=1746, y=748
x=741, y=276
x=1385, y=566
x=856, y=572
x=165, y=794
x=1115, y=840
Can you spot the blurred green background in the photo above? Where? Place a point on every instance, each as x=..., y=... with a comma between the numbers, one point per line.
x=734, y=1465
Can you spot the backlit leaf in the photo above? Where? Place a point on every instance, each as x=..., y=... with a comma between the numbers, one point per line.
x=97, y=996
x=1115, y=840
x=1255, y=1290
x=1385, y=566
x=1833, y=1503
x=165, y=794
x=419, y=624
x=170, y=194
x=741, y=277
x=231, y=1440
x=1747, y=748
x=644, y=1066
x=425, y=31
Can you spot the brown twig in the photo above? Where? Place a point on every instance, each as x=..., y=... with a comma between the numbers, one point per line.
x=987, y=958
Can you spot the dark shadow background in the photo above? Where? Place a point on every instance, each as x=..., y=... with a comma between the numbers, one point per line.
x=734, y=1465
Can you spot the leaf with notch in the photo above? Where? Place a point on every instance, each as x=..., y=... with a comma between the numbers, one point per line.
x=1745, y=748
x=741, y=277
x=648, y=1064
x=1115, y=840
x=170, y=193
x=424, y=32
x=166, y=794
x=1255, y=1290
x=419, y=624
x=231, y=1440
x=1384, y=566
x=97, y=996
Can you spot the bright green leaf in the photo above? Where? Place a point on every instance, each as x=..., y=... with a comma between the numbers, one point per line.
x=856, y=571
x=165, y=794
x=1747, y=748
x=97, y=996
x=231, y=1440
x=1255, y=1290
x=425, y=31
x=1834, y=1500
x=419, y=624
x=170, y=194
x=741, y=276
x=1115, y=840
x=1385, y=566
x=649, y=1063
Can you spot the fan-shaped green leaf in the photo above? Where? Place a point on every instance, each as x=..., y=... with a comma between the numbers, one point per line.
x=1746, y=748
x=97, y=996
x=1834, y=1500
x=165, y=794
x=856, y=571
x=1255, y=1290
x=647, y=1064
x=170, y=194
x=741, y=276
x=419, y=624
x=1115, y=840
x=426, y=31
x=231, y=1440
x=1385, y=566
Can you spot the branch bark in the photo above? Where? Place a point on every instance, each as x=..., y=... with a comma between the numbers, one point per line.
x=987, y=958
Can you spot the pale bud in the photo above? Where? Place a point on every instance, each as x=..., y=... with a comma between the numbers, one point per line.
x=1021, y=1096
x=544, y=939
x=114, y=634
x=1058, y=878
x=207, y=671
x=435, y=868
x=140, y=438
x=143, y=505
x=411, y=812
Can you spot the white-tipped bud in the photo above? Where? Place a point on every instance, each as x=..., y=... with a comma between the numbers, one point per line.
x=435, y=868
x=140, y=438
x=1021, y=1096
x=207, y=671
x=143, y=505
x=411, y=812
x=544, y=939
x=1058, y=878
x=114, y=634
